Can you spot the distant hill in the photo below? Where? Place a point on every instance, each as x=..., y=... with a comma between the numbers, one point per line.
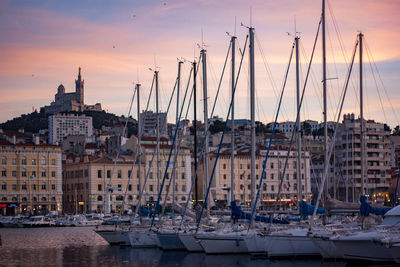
x=36, y=121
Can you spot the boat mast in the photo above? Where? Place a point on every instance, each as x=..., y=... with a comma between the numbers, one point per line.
x=252, y=116
x=299, y=188
x=362, y=133
x=157, y=134
x=139, y=131
x=326, y=160
x=232, y=193
x=195, y=131
x=206, y=162
x=178, y=84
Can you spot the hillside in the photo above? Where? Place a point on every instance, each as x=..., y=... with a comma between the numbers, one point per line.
x=36, y=121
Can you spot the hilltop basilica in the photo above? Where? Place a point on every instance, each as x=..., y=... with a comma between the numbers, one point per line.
x=64, y=102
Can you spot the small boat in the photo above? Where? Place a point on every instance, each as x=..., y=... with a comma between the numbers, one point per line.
x=38, y=221
x=115, y=237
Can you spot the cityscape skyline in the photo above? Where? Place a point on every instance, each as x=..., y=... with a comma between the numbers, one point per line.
x=44, y=44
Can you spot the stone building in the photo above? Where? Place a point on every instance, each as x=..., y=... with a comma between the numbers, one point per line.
x=30, y=178
x=74, y=101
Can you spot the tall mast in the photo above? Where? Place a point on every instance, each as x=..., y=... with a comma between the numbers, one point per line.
x=195, y=131
x=157, y=134
x=178, y=84
x=232, y=191
x=362, y=133
x=326, y=162
x=206, y=162
x=252, y=116
x=139, y=130
x=299, y=188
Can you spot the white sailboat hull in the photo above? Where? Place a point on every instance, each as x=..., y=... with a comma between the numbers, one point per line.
x=257, y=244
x=170, y=241
x=223, y=244
x=143, y=239
x=363, y=250
x=291, y=246
x=115, y=237
x=191, y=242
x=326, y=247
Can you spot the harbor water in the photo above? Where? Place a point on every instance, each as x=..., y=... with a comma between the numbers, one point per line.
x=81, y=246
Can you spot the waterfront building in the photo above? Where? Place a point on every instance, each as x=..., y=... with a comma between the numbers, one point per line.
x=347, y=159
x=30, y=178
x=61, y=126
x=148, y=122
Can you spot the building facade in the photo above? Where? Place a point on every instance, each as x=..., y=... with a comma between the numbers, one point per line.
x=61, y=126
x=148, y=122
x=30, y=178
x=348, y=159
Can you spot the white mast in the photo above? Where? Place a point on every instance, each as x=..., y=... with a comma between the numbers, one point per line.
x=232, y=190
x=326, y=161
x=157, y=134
x=299, y=188
x=206, y=162
x=139, y=130
x=252, y=116
x=362, y=131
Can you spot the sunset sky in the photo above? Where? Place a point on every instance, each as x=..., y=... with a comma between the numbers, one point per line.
x=43, y=43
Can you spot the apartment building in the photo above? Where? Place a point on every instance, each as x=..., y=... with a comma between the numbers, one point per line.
x=61, y=126
x=30, y=178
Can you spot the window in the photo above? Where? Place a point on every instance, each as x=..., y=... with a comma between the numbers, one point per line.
x=248, y=177
x=99, y=187
x=287, y=176
x=272, y=176
x=43, y=186
x=3, y=199
x=224, y=176
x=130, y=198
x=224, y=166
x=151, y=175
x=108, y=173
x=4, y=173
x=119, y=174
x=23, y=173
x=53, y=174
x=33, y=161
x=119, y=198
x=183, y=176
x=33, y=174
x=53, y=199
x=3, y=186
x=14, y=187
x=151, y=188
x=272, y=188
x=44, y=199
x=14, y=173
x=23, y=161
x=43, y=173
x=129, y=173
x=184, y=188
x=24, y=199
x=53, y=187
x=257, y=166
x=302, y=176
x=183, y=198
x=130, y=187
x=3, y=160
x=272, y=165
x=23, y=186
x=264, y=187
x=100, y=198
x=248, y=166
x=53, y=162
x=241, y=167
x=98, y=173
x=14, y=161
x=43, y=161
x=34, y=187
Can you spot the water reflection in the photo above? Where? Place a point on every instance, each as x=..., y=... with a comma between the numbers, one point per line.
x=115, y=256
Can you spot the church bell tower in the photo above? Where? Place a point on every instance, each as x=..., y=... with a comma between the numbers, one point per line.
x=79, y=90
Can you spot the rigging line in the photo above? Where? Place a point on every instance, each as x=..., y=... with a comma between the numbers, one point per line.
x=154, y=153
x=203, y=144
x=340, y=40
x=138, y=148
x=297, y=119
x=220, y=80
x=222, y=138
x=168, y=162
x=331, y=145
x=271, y=79
x=270, y=141
x=214, y=77
x=380, y=78
x=304, y=54
x=119, y=150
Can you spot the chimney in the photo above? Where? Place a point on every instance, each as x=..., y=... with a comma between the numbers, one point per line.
x=36, y=140
x=14, y=139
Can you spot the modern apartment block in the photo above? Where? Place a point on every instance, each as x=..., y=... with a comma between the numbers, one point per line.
x=347, y=160
x=61, y=126
x=30, y=178
x=148, y=120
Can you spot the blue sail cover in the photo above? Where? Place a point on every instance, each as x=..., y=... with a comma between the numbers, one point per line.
x=366, y=208
x=145, y=212
x=308, y=209
x=237, y=213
